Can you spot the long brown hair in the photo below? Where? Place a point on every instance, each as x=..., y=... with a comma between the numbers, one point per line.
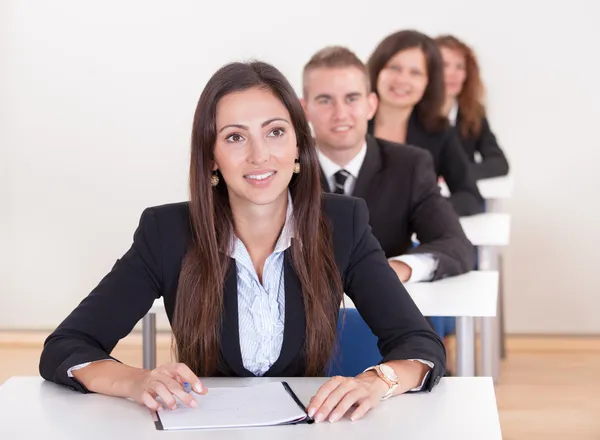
x=429, y=108
x=471, y=97
x=199, y=305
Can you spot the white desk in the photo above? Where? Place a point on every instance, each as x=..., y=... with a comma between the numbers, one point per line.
x=494, y=188
x=465, y=297
x=489, y=231
x=473, y=294
x=456, y=409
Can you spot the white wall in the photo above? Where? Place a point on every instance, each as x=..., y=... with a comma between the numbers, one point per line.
x=97, y=100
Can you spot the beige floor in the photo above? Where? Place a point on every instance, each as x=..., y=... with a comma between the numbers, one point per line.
x=549, y=388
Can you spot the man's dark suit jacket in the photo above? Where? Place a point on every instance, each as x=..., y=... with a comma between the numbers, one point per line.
x=399, y=184
x=150, y=269
x=493, y=162
x=449, y=161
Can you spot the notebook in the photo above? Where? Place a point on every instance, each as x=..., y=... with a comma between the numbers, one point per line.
x=268, y=404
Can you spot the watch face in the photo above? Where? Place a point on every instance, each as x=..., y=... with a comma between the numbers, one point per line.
x=389, y=372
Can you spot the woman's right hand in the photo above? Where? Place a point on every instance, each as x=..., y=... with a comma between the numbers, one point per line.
x=165, y=382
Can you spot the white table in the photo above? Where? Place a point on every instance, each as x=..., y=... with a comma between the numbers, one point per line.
x=489, y=231
x=495, y=191
x=456, y=409
x=465, y=297
x=486, y=229
x=492, y=189
x=496, y=188
x=489, y=234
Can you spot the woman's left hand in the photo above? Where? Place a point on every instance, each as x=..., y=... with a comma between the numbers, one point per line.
x=339, y=394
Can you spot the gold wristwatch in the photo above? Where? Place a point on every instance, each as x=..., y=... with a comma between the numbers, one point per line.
x=388, y=375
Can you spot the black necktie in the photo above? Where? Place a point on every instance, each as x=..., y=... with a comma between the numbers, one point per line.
x=340, y=180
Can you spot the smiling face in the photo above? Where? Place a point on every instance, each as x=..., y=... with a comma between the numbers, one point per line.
x=403, y=80
x=255, y=147
x=339, y=106
x=455, y=71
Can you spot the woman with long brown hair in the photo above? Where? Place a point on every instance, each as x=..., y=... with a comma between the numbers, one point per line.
x=465, y=108
x=252, y=269
x=406, y=73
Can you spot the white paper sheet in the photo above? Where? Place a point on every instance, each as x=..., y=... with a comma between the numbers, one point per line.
x=229, y=407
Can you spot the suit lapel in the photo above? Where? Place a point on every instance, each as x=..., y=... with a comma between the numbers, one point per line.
x=324, y=183
x=294, y=328
x=417, y=135
x=413, y=131
x=370, y=167
x=230, y=332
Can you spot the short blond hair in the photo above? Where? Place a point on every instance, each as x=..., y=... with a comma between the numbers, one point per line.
x=332, y=57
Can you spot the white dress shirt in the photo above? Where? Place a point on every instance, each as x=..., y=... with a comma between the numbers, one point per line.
x=422, y=266
x=453, y=114
x=329, y=168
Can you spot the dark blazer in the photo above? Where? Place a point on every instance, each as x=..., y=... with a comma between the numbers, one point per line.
x=450, y=162
x=399, y=184
x=150, y=269
x=493, y=162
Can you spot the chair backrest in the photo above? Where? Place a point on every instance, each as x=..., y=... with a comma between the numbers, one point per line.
x=357, y=346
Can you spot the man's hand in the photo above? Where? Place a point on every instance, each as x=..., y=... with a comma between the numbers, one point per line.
x=402, y=269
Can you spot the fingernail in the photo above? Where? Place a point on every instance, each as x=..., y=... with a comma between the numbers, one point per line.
x=311, y=412
x=319, y=418
x=333, y=418
x=193, y=404
x=199, y=388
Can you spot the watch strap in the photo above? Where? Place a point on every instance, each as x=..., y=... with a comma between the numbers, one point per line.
x=392, y=386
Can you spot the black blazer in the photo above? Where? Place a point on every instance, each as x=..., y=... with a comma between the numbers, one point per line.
x=493, y=162
x=150, y=269
x=450, y=162
x=399, y=184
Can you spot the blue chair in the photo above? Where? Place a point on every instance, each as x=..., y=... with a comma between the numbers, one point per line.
x=356, y=346
x=443, y=325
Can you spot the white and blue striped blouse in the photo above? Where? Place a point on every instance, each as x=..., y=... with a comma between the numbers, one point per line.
x=261, y=307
